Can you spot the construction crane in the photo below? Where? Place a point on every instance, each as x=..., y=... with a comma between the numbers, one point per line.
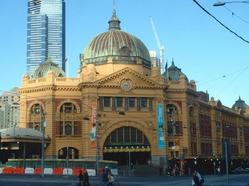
x=161, y=47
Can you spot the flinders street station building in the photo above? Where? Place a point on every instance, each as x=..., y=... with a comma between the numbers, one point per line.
x=121, y=108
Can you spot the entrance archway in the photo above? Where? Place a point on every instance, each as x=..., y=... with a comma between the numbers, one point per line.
x=127, y=145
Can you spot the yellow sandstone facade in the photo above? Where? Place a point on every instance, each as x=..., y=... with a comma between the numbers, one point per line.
x=121, y=99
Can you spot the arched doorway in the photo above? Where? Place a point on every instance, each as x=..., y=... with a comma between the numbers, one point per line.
x=127, y=145
x=68, y=152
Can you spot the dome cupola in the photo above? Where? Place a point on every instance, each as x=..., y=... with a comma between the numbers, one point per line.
x=45, y=68
x=173, y=72
x=240, y=105
x=121, y=47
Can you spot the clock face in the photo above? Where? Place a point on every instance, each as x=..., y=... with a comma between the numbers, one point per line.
x=126, y=85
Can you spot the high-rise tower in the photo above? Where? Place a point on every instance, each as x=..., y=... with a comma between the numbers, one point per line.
x=45, y=33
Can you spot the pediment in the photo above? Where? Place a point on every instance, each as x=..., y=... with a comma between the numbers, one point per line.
x=127, y=77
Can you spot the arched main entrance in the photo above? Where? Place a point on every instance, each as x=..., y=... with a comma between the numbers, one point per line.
x=127, y=145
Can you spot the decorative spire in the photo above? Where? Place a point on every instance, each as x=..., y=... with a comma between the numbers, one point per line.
x=166, y=70
x=173, y=63
x=114, y=23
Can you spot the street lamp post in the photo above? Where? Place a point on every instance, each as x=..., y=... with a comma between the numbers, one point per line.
x=226, y=2
x=95, y=122
x=67, y=159
x=226, y=159
x=97, y=144
x=43, y=125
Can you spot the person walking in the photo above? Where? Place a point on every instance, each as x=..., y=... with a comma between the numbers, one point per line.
x=105, y=176
x=110, y=178
x=81, y=178
x=86, y=179
x=197, y=179
x=219, y=171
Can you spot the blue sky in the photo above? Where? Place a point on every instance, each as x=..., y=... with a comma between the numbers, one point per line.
x=206, y=52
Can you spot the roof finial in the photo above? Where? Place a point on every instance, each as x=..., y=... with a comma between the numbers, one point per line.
x=114, y=23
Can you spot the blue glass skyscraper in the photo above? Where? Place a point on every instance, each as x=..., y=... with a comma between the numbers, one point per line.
x=45, y=33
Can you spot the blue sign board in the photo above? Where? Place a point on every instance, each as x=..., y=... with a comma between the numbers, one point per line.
x=160, y=126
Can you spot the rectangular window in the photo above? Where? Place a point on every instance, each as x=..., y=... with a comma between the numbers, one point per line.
x=119, y=102
x=131, y=102
x=106, y=101
x=206, y=148
x=151, y=104
x=193, y=148
x=143, y=102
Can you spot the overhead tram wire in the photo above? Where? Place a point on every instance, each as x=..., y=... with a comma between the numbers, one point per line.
x=230, y=82
x=234, y=14
x=243, y=39
x=224, y=75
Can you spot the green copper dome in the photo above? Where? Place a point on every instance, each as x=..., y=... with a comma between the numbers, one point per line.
x=45, y=68
x=122, y=47
x=173, y=73
x=240, y=104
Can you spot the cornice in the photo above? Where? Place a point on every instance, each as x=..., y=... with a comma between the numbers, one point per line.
x=48, y=88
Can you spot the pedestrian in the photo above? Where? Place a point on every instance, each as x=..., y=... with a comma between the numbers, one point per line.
x=81, y=178
x=110, y=178
x=132, y=169
x=105, y=176
x=218, y=171
x=86, y=179
x=197, y=179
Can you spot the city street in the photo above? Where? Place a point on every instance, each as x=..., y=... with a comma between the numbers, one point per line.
x=234, y=180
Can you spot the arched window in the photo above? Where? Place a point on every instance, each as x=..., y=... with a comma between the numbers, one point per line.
x=68, y=108
x=36, y=109
x=68, y=152
x=126, y=136
x=68, y=128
